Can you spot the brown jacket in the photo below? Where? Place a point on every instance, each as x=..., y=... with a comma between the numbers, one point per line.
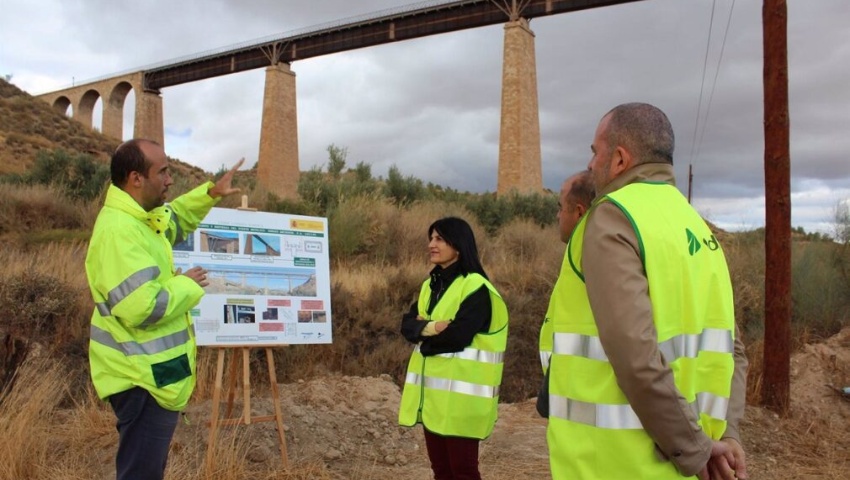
x=618, y=292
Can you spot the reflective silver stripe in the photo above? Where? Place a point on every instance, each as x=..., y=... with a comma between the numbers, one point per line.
x=158, y=309
x=685, y=345
x=473, y=354
x=622, y=417
x=413, y=378
x=103, y=309
x=132, y=282
x=151, y=347
x=454, y=386
x=712, y=405
x=579, y=345
x=599, y=415
x=544, y=358
x=689, y=345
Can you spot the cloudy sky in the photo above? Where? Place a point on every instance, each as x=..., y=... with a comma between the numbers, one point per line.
x=431, y=106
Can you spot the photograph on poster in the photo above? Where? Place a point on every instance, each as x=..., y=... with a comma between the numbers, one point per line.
x=256, y=244
x=255, y=280
x=217, y=241
x=270, y=314
x=320, y=317
x=305, y=316
x=245, y=314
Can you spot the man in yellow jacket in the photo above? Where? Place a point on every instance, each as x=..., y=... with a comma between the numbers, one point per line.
x=647, y=375
x=142, y=346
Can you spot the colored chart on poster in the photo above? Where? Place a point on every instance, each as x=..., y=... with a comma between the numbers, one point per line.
x=269, y=278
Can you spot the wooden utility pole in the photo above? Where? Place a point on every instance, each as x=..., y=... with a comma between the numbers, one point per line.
x=775, y=389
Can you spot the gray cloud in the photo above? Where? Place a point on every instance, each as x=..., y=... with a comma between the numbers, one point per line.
x=431, y=105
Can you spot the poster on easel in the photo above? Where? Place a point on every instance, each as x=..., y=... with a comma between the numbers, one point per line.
x=269, y=278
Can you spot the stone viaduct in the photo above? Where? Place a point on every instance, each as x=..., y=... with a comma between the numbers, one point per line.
x=519, y=165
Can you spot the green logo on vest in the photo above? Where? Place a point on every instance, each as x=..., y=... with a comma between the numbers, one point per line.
x=693, y=242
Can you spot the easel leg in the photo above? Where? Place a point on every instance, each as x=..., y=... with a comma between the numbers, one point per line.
x=231, y=385
x=246, y=385
x=219, y=373
x=278, y=415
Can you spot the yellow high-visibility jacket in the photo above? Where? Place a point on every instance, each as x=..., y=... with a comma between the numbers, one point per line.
x=457, y=394
x=593, y=431
x=141, y=330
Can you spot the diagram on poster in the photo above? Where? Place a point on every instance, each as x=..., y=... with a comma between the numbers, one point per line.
x=269, y=278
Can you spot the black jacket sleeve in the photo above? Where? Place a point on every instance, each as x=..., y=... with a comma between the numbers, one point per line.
x=411, y=328
x=472, y=317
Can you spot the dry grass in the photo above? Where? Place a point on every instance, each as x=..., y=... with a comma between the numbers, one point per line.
x=26, y=419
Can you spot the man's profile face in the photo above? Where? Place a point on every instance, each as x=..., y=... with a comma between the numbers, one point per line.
x=600, y=162
x=568, y=213
x=157, y=179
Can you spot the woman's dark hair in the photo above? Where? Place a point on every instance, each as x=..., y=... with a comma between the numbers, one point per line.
x=457, y=233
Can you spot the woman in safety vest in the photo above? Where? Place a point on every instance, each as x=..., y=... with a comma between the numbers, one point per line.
x=460, y=328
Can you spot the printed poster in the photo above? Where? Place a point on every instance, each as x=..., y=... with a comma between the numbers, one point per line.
x=268, y=274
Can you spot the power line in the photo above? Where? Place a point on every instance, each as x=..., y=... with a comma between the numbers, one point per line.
x=714, y=83
x=702, y=85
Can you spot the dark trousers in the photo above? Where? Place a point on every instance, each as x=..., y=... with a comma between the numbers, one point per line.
x=452, y=458
x=144, y=435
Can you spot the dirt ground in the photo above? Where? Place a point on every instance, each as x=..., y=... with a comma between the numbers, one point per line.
x=348, y=425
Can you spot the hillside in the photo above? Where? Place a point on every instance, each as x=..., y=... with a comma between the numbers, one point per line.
x=30, y=125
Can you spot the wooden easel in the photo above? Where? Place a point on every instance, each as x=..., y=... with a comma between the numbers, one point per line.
x=246, y=418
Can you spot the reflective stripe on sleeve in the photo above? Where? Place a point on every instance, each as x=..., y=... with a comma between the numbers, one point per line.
x=131, y=348
x=103, y=309
x=455, y=386
x=158, y=309
x=131, y=283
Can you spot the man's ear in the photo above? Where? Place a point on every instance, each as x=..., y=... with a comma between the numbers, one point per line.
x=623, y=162
x=135, y=179
x=581, y=209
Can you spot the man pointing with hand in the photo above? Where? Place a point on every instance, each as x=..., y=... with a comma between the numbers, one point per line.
x=142, y=347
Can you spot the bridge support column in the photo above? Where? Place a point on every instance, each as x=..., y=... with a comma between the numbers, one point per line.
x=148, y=122
x=84, y=112
x=519, y=138
x=113, y=118
x=278, y=170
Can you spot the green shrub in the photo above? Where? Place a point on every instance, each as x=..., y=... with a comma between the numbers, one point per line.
x=81, y=176
x=403, y=190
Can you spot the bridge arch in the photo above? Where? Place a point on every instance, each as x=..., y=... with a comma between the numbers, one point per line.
x=83, y=112
x=61, y=105
x=113, y=109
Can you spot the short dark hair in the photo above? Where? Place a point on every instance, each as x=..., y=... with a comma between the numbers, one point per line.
x=582, y=191
x=644, y=130
x=128, y=157
x=457, y=233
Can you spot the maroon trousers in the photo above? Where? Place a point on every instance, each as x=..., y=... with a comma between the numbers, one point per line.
x=452, y=458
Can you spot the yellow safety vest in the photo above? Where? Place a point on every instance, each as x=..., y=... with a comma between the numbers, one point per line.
x=593, y=432
x=141, y=330
x=457, y=394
